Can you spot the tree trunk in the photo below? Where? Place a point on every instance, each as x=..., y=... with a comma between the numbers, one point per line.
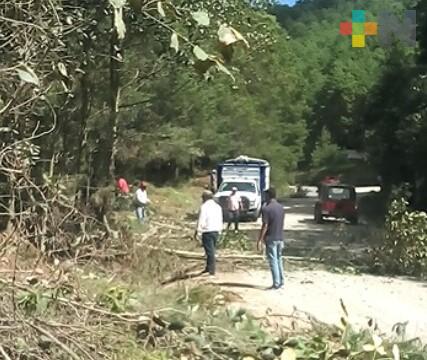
x=85, y=97
x=116, y=60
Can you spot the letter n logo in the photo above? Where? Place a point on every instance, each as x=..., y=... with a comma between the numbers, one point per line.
x=391, y=28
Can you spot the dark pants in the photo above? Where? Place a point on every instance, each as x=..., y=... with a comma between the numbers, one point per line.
x=209, y=240
x=233, y=217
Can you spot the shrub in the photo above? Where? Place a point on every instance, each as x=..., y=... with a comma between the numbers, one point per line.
x=404, y=249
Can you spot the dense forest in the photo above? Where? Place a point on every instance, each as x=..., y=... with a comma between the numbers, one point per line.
x=157, y=89
x=369, y=99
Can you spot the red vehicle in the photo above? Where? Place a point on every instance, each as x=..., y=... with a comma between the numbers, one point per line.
x=336, y=201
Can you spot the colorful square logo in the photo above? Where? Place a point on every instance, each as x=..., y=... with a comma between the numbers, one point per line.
x=358, y=28
x=358, y=16
x=371, y=28
x=358, y=41
x=389, y=28
x=346, y=28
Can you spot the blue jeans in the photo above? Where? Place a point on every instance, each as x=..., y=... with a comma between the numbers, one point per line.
x=209, y=240
x=274, y=250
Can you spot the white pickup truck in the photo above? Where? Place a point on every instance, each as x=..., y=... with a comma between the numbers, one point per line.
x=251, y=177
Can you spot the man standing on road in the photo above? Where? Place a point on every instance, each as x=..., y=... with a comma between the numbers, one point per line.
x=273, y=216
x=234, y=206
x=209, y=227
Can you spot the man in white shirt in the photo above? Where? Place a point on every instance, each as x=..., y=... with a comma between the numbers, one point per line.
x=234, y=207
x=142, y=200
x=209, y=227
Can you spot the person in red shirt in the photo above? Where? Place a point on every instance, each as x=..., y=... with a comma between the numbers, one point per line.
x=123, y=186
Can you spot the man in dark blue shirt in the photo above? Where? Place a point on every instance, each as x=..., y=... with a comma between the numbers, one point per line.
x=273, y=216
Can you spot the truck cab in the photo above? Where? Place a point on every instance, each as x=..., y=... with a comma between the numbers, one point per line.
x=251, y=177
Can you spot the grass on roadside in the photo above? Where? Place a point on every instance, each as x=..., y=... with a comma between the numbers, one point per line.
x=175, y=202
x=179, y=204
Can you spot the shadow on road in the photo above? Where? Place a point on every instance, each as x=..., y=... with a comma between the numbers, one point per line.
x=326, y=222
x=333, y=241
x=241, y=285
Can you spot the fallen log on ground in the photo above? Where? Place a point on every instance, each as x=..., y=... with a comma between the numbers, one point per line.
x=184, y=274
x=167, y=226
x=223, y=257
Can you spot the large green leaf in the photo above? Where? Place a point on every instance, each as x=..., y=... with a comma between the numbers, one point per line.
x=160, y=9
x=62, y=69
x=288, y=354
x=201, y=17
x=227, y=35
x=29, y=76
x=224, y=69
x=174, y=42
x=119, y=23
x=118, y=3
x=200, y=54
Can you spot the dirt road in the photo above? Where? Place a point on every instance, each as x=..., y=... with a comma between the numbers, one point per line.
x=385, y=300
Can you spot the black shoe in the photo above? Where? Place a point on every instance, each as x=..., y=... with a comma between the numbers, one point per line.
x=273, y=288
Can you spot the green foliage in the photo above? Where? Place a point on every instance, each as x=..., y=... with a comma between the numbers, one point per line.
x=155, y=90
x=41, y=300
x=405, y=240
x=371, y=100
x=396, y=133
x=206, y=297
x=186, y=118
x=116, y=299
x=329, y=159
x=235, y=241
x=339, y=80
x=327, y=156
x=33, y=302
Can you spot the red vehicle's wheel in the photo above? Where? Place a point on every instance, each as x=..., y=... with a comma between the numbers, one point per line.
x=354, y=220
x=318, y=217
